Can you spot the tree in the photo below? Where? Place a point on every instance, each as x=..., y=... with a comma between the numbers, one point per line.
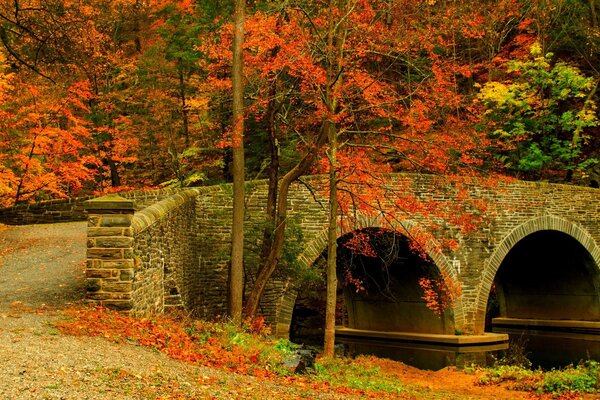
x=236, y=270
x=540, y=117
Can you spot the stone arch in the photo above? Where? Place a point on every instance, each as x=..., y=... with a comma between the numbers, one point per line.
x=493, y=263
x=432, y=249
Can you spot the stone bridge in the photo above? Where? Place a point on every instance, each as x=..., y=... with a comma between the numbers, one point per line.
x=535, y=246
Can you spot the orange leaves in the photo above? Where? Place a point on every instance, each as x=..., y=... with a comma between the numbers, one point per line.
x=44, y=141
x=440, y=293
x=185, y=340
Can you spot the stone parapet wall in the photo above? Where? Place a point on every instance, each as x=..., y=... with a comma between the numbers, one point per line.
x=72, y=209
x=139, y=262
x=47, y=212
x=165, y=254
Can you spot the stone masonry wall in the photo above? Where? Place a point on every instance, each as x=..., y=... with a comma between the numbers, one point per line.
x=214, y=215
x=67, y=210
x=164, y=254
x=139, y=263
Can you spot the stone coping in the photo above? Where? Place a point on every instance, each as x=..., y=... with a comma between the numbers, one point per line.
x=154, y=213
x=109, y=202
x=456, y=340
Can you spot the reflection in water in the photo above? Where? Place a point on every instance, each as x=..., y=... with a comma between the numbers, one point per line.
x=543, y=350
x=422, y=355
x=549, y=350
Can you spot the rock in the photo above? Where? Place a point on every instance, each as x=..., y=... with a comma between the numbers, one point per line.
x=300, y=361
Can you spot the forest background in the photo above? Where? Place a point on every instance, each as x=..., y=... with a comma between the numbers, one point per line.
x=107, y=95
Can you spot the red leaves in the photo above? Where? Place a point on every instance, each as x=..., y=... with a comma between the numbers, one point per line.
x=440, y=293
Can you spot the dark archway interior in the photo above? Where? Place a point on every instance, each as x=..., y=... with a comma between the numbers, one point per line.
x=381, y=289
x=547, y=275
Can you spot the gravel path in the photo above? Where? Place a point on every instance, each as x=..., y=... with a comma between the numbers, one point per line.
x=42, y=265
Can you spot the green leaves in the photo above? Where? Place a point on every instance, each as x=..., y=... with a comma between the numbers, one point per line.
x=540, y=114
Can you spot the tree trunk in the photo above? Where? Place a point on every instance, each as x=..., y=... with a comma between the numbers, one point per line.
x=272, y=177
x=25, y=172
x=184, y=108
x=593, y=14
x=115, y=178
x=236, y=282
x=266, y=270
x=328, y=350
x=335, y=42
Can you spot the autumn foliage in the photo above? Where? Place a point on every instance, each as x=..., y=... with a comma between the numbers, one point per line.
x=186, y=340
x=219, y=345
x=440, y=293
x=101, y=95
x=104, y=94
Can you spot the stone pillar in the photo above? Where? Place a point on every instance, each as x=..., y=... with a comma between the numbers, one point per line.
x=110, y=262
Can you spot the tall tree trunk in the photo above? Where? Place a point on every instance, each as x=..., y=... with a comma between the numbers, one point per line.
x=335, y=42
x=236, y=270
x=184, y=108
x=332, y=234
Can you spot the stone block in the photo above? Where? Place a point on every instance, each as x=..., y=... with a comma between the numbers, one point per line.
x=99, y=273
x=121, y=264
x=126, y=274
x=92, y=285
x=116, y=220
x=110, y=202
x=118, y=305
x=93, y=263
x=110, y=296
x=117, y=287
x=93, y=220
x=104, y=231
x=114, y=242
x=104, y=254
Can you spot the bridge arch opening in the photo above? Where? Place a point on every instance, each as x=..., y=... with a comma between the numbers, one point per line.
x=492, y=265
x=546, y=294
x=548, y=275
x=378, y=287
x=380, y=282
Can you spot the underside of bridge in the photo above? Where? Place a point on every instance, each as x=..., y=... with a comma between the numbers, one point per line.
x=547, y=286
x=381, y=284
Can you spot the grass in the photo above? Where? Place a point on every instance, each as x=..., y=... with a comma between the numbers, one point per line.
x=578, y=379
x=357, y=374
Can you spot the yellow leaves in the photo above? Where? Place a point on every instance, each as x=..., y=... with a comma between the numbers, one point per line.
x=536, y=49
x=496, y=92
